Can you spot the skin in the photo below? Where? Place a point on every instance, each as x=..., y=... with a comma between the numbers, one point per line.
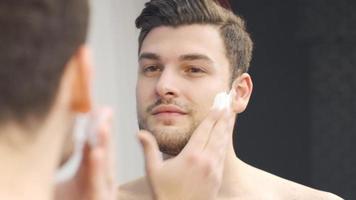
x=207, y=167
x=23, y=149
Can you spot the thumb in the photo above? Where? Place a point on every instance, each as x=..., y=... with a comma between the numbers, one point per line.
x=151, y=151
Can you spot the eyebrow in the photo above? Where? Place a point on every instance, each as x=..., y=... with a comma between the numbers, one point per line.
x=150, y=56
x=192, y=57
x=187, y=57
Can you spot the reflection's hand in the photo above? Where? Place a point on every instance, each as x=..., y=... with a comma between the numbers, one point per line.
x=196, y=173
x=95, y=179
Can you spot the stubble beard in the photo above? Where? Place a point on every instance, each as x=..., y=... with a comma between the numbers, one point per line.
x=171, y=139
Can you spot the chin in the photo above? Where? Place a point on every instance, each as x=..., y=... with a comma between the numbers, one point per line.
x=171, y=140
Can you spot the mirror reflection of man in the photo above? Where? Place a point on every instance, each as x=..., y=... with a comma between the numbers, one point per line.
x=189, y=51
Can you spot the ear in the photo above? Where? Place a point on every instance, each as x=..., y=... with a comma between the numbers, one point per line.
x=242, y=87
x=81, y=68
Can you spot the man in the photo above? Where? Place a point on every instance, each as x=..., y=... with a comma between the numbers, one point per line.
x=44, y=85
x=189, y=51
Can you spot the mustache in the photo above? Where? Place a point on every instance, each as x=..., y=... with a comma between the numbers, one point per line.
x=159, y=102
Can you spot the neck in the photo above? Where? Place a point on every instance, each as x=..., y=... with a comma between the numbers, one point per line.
x=236, y=176
x=28, y=166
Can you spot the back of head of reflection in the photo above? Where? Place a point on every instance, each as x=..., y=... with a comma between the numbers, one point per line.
x=44, y=83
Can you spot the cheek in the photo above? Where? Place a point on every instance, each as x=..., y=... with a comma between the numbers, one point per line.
x=203, y=99
x=144, y=95
x=202, y=104
x=141, y=100
x=204, y=95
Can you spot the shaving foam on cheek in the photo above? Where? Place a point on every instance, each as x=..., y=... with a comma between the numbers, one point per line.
x=223, y=100
x=84, y=130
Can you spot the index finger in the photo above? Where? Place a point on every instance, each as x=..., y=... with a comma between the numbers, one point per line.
x=201, y=135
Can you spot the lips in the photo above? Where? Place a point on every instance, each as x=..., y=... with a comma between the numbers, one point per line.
x=167, y=109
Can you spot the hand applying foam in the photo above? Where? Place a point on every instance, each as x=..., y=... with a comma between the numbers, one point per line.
x=91, y=167
x=196, y=173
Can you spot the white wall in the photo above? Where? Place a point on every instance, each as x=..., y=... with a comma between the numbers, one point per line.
x=113, y=39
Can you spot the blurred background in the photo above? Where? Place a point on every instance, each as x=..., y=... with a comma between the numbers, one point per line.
x=113, y=39
x=301, y=121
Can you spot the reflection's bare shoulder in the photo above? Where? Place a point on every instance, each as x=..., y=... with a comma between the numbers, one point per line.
x=287, y=189
x=298, y=191
x=330, y=196
x=263, y=184
x=135, y=190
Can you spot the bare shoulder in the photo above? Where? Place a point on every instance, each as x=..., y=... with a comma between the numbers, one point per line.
x=135, y=190
x=310, y=193
x=292, y=190
x=281, y=188
x=305, y=192
x=331, y=196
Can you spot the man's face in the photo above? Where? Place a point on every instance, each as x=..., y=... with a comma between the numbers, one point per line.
x=180, y=72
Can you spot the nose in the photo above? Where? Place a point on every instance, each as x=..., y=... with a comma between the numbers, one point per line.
x=167, y=85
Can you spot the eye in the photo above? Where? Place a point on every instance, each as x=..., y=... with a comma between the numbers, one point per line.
x=193, y=70
x=151, y=70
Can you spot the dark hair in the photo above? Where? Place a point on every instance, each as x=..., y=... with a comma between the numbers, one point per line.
x=37, y=39
x=175, y=13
